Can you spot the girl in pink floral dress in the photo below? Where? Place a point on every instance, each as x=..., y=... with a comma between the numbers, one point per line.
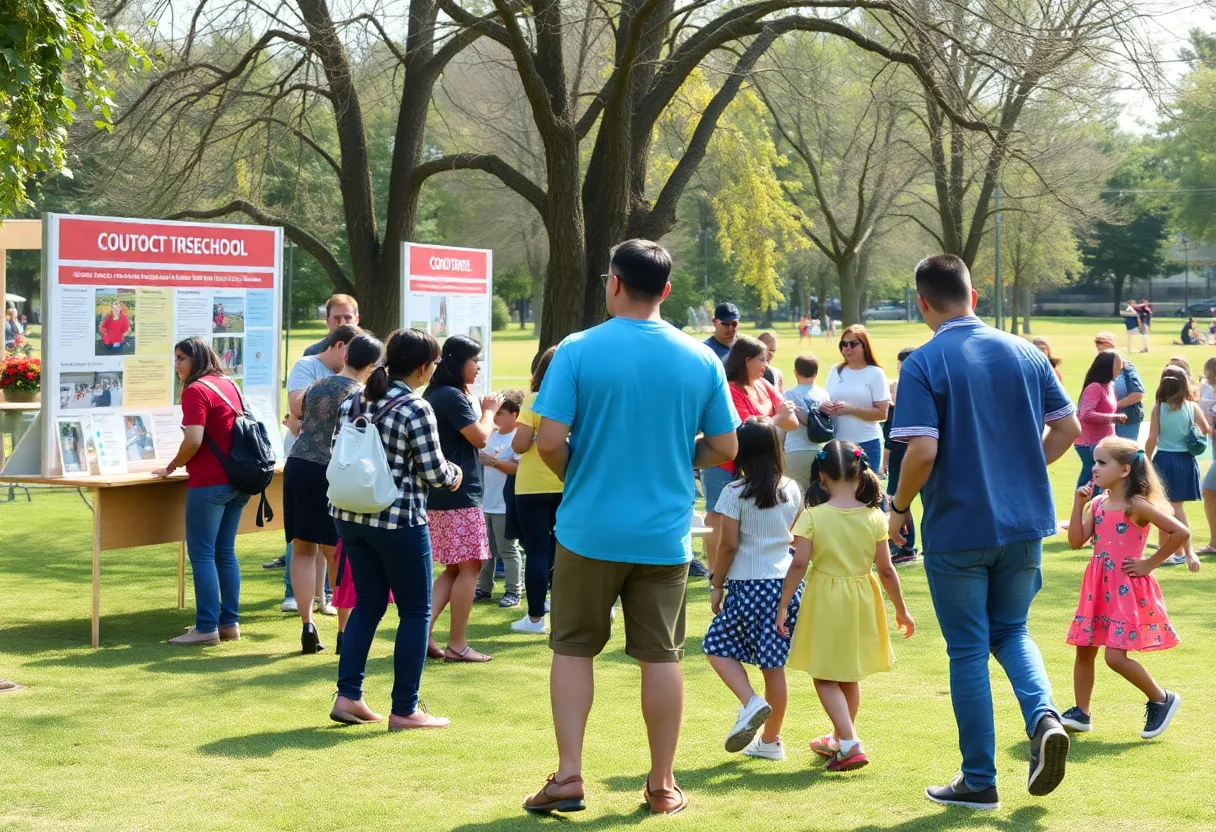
x=1121, y=607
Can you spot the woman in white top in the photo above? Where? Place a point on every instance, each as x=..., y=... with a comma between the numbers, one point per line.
x=860, y=393
x=757, y=511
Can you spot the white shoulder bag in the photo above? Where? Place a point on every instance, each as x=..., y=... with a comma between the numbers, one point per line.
x=359, y=477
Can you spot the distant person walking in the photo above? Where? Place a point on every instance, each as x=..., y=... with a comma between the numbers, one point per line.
x=983, y=524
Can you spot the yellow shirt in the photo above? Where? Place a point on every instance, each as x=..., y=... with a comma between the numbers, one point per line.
x=533, y=476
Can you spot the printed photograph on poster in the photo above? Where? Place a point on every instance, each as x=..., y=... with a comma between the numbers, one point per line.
x=439, y=316
x=259, y=309
x=84, y=391
x=231, y=351
x=73, y=451
x=115, y=312
x=228, y=313
x=140, y=445
x=108, y=442
x=478, y=334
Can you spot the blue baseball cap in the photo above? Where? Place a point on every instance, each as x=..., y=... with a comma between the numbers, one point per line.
x=726, y=312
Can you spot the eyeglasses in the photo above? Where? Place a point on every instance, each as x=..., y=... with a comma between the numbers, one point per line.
x=604, y=278
x=850, y=344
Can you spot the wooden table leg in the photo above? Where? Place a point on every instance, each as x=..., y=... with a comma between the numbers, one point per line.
x=181, y=575
x=96, y=568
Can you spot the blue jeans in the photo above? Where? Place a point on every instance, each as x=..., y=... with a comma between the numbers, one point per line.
x=873, y=452
x=380, y=560
x=537, y=516
x=1086, y=452
x=982, y=598
x=213, y=514
x=1129, y=431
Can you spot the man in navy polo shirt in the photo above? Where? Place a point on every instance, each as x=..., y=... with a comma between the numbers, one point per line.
x=726, y=328
x=983, y=416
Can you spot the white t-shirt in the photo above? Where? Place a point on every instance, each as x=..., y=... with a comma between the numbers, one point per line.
x=303, y=373
x=493, y=480
x=796, y=440
x=860, y=388
x=764, y=534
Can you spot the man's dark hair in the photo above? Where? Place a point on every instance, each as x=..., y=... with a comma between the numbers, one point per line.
x=644, y=268
x=904, y=353
x=806, y=366
x=512, y=400
x=943, y=281
x=342, y=335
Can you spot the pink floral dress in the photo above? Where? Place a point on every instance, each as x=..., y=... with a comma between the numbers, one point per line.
x=1116, y=609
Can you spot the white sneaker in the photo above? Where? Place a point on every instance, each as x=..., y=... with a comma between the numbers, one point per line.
x=289, y=605
x=1174, y=560
x=766, y=750
x=546, y=605
x=612, y=614
x=527, y=625
x=325, y=607
x=751, y=717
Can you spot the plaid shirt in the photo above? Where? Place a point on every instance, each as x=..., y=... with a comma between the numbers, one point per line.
x=411, y=443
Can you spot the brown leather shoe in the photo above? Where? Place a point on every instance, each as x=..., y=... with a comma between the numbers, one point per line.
x=193, y=638
x=232, y=633
x=665, y=801
x=557, y=796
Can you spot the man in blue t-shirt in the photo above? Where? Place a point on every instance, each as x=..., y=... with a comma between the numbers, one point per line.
x=623, y=528
x=983, y=416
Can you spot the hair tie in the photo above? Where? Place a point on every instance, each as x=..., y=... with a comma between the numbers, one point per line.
x=858, y=453
x=1139, y=453
x=823, y=455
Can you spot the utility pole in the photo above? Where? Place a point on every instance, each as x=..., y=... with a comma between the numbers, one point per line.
x=999, y=300
x=1186, y=278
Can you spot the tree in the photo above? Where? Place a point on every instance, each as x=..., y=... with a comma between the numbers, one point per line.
x=1189, y=136
x=1038, y=250
x=52, y=60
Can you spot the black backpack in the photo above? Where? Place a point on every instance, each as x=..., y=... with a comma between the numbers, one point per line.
x=250, y=464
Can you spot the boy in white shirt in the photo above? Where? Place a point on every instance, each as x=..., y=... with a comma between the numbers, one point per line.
x=800, y=451
x=499, y=461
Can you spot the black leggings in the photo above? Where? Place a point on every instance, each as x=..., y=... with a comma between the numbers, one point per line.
x=537, y=515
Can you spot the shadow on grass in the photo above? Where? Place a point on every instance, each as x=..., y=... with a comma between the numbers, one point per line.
x=524, y=820
x=1026, y=819
x=729, y=775
x=1082, y=749
x=314, y=738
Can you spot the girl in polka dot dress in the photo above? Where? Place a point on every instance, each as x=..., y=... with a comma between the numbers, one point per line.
x=1121, y=607
x=753, y=556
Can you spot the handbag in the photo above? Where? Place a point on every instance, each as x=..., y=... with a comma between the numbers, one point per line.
x=360, y=480
x=820, y=427
x=1196, y=442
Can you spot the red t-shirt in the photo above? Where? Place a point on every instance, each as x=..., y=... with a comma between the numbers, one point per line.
x=746, y=408
x=113, y=330
x=200, y=406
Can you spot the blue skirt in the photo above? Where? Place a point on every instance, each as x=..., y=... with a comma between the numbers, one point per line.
x=1179, y=473
x=746, y=629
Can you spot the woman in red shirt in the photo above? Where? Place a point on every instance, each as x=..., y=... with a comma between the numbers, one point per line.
x=213, y=506
x=114, y=328
x=752, y=395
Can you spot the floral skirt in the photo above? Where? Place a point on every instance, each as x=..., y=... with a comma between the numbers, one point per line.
x=458, y=535
x=1120, y=611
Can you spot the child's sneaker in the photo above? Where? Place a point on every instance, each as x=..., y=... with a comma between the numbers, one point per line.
x=1075, y=719
x=509, y=599
x=1157, y=715
x=751, y=717
x=825, y=746
x=855, y=758
x=479, y=596
x=527, y=625
x=766, y=750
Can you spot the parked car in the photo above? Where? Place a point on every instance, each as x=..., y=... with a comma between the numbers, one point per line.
x=885, y=312
x=1200, y=308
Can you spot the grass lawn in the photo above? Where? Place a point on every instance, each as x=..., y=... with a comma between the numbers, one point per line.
x=143, y=736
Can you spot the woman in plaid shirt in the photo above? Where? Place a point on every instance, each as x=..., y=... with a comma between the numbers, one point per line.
x=392, y=550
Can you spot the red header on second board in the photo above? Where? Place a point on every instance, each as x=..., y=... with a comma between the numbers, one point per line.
x=186, y=244
x=440, y=261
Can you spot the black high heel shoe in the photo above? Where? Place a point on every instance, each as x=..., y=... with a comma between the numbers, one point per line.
x=310, y=642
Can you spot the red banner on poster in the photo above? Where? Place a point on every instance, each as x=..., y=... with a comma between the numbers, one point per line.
x=201, y=244
x=441, y=261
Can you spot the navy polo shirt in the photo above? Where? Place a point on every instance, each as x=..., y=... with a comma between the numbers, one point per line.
x=985, y=396
x=718, y=347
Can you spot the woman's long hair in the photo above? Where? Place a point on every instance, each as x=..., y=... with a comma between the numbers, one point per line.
x=1143, y=480
x=863, y=336
x=363, y=350
x=405, y=352
x=744, y=350
x=1102, y=370
x=203, y=360
x=458, y=350
x=1174, y=389
x=540, y=366
x=844, y=462
x=760, y=461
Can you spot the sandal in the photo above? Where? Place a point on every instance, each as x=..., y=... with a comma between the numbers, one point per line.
x=544, y=801
x=665, y=801
x=451, y=655
x=1206, y=550
x=433, y=652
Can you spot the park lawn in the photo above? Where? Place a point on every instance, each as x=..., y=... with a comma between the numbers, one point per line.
x=140, y=735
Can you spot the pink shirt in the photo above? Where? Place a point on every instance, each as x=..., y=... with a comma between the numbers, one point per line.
x=1097, y=412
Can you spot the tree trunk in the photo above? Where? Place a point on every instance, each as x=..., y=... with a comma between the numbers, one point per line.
x=1027, y=310
x=850, y=293
x=1119, y=279
x=823, y=291
x=1017, y=303
x=566, y=275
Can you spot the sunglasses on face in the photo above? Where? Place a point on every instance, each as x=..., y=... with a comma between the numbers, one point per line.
x=850, y=344
x=729, y=324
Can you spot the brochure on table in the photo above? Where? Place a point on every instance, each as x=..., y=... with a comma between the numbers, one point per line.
x=448, y=291
x=118, y=294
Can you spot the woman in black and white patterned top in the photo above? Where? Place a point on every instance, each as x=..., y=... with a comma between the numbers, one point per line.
x=392, y=550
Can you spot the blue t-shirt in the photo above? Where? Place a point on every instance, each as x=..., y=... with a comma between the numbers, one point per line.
x=720, y=349
x=985, y=396
x=629, y=485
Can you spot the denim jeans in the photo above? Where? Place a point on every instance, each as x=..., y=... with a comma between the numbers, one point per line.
x=1129, y=431
x=213, y=514
x=1086, y=452
x=873, y=452
x=537, y=514
x=982, y=598
x=380, y=560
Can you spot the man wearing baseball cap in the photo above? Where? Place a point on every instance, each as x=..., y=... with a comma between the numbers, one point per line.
x=726, y=324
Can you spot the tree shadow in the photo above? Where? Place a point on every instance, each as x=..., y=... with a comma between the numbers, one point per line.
x=1082, y=749
x=1026, y=819
x=312, y=738
x=731, y=775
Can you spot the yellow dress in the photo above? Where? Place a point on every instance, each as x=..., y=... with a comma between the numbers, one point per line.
x=841, y=634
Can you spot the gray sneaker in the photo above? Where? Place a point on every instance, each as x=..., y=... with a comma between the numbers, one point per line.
x=958, y=793
x=1048, y=756
x=1157, y=715
x=1075, y=719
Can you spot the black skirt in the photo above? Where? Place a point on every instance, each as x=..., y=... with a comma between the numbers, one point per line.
x=305, y=506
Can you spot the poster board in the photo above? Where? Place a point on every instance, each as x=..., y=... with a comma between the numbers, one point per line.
x=117, y=295
x=446, y=291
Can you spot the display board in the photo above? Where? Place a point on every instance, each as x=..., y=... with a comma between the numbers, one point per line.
x=117, y=295
x=448, y=291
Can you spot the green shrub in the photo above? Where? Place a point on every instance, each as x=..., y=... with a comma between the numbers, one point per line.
x=500, y=315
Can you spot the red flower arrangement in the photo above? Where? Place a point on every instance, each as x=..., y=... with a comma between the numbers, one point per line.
x=21, y=373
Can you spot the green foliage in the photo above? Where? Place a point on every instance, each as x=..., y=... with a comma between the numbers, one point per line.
x=500, y=315
x=1132, y=243
x=1191, y=137
x=52, y=60
x=514, y=285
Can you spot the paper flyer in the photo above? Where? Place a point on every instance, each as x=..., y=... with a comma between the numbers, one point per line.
x=110, y=442
x=155, y=321
x=259, y=355
x=263, y=411
x=192, y=314
x=139, y=434
x=73, y=448
x=147, y=382
x=166, y=425
x=259, y=310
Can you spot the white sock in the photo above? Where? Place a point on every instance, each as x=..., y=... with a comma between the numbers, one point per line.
x=847, y=746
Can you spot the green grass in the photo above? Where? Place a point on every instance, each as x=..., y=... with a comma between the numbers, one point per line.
x=140, y=735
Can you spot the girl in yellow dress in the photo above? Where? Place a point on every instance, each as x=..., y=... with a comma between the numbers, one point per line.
x=841, y=634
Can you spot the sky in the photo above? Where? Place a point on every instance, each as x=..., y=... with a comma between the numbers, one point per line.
x=1168, y=28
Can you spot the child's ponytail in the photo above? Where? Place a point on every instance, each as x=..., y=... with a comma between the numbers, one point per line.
x=844, y=461
x=869, y=487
